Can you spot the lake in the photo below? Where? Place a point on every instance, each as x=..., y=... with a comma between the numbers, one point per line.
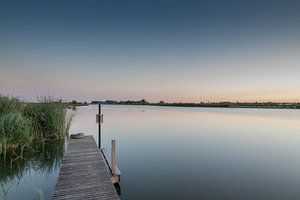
x=201, y=153
x=182, y=153
x=35, y=173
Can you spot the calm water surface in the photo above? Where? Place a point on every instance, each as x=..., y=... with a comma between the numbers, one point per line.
x=36, y=173
x=201, y=153
x=181, y=153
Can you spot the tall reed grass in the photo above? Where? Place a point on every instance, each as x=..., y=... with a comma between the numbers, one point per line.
x=15, y=131
x=22, y=123
x=9, y=104
x=50, y=118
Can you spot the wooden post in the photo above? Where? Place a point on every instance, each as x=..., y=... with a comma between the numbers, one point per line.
x=99, y=126
x=113, y=157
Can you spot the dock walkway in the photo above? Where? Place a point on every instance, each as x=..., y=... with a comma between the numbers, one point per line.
x=84, y=173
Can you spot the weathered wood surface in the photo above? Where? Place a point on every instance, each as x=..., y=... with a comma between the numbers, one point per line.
x=84, y=174
x=116, y=177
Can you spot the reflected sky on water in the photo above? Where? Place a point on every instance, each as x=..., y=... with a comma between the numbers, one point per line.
x=37, y=170
x=201, y=153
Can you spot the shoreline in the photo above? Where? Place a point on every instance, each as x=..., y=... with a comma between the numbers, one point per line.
x=277, y=107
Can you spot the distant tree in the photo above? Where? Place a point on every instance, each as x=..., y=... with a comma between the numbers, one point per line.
x=143, y=101
x=161, y=102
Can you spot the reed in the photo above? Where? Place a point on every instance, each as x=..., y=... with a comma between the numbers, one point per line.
x=15, y=132
x=23, y=123
x=50, y=118
x=9, y=104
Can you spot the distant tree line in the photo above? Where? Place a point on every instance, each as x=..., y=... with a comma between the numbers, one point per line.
x=236, y=105
x=225, y=104
x=77, y=103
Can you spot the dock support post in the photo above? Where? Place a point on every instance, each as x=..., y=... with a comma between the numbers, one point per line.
x=99, y=126
x=113, y=157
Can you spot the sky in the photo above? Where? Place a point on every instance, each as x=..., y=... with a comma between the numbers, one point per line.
x=176, y=51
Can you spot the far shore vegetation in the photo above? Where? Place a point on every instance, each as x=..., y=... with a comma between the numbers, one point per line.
x=23, y=124
x=270, y=105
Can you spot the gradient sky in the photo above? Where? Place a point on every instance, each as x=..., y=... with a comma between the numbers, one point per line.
x=187, y=51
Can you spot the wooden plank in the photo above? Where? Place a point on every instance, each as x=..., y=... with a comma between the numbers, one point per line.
x=84, y=173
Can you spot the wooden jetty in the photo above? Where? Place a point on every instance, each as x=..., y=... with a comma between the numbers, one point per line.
x=84, y=173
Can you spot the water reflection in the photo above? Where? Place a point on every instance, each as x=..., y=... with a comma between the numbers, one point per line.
x=42, y=156
x=118, y=188
x=38, y=163
x=201, y=153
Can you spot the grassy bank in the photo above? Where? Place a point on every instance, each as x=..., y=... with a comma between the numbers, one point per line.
x=22, y=123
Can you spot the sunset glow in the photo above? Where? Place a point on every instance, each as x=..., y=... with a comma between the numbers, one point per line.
x=172, y=51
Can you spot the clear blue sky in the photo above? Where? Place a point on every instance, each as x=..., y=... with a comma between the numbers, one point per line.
x=158, y=50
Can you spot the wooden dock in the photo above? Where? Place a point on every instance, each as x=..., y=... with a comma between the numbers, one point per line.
x=84, y=173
